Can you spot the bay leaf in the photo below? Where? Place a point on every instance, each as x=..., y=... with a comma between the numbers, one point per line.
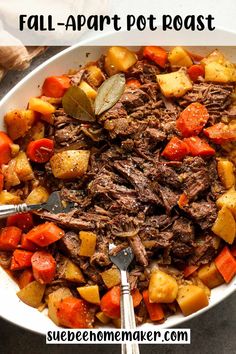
x=77, y=104
x=109, y=93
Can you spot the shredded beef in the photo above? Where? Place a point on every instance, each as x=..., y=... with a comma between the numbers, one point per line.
x=139, y=250
x=130, y=193
x=204, y=251
x=204, y=213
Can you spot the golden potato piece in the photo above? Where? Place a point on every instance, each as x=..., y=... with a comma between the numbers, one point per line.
x=70, y=164
x=210, y=275
x=53, y=300
x=217, y=72
x=225, y=170
x=111, y=277
x=37, y=195
x=88, y=243
x=191, y=298
x=103, y=318
x=228, y=199
x=119, y=59
x=10, y=176
x=41, y=106
x=224, y=226
x=18, y=122
x=94, y=75
x=162, y=287
x=179, y=57
x=72, y=272
x=32, y=294
x=90, y=293
x=174, y=84
x=215, y=56
x=37, y=131
x=23, y=168
x=90, y=92
x=9, y=198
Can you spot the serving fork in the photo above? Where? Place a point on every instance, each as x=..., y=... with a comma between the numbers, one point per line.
x=122, y=260
x=53, y=204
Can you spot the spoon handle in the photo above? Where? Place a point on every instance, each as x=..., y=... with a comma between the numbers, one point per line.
x=127, y=314
x=7, y=210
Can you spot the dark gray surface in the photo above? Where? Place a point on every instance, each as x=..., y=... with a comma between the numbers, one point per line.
x=212, y=332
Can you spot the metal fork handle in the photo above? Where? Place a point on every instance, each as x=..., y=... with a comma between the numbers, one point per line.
x=7, y=210
x=127, y=314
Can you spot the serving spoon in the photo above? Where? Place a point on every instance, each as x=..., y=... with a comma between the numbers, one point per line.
x=122, y=260
x=53, y=204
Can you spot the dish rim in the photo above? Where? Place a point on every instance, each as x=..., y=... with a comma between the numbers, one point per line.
x=227, y=289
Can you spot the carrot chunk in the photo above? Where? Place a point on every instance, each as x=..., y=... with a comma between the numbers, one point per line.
x=45, y=234
x=40, y=150
x=133, y=83
x=5, y=148
x=192, y=119
x=44, y=267
x=23, y=221
x=195, y=71
x=21, y=259
x=183, y=200
x=27, y=244
x=226, y=264
x=199, y=147
x=137, y=297
x=156, y=54
x=55, y=86
x=155, y=311
x=9, y=238
x=25, y=278
x=190, y=269
x=74, y=313
x=220, y=133
x=175, y=150
x=110, y=303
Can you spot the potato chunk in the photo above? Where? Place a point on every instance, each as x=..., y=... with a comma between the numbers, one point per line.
x=10, y=176
x=70, y=164
x=210, y=276
x=37, y=195
x=217, y=72
x=228, y=200
x=162, y=287
x=72, y=272
x=111, y=277
x=94, y=75
x=23, y=168
x=32, y=294
x=119, y=59
x=191, y=298
x=225, y=170
x=224, y=226
x=218, y=69
x=37, y=131
x=18, y=122
x=174, y=84
x=103, y=318
x=215, y=56
x=9, y=198
x=88, y=90
x=41, y=106
x=90, y=293
x=179, y=57
x=88, y=243
x=53, y=300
